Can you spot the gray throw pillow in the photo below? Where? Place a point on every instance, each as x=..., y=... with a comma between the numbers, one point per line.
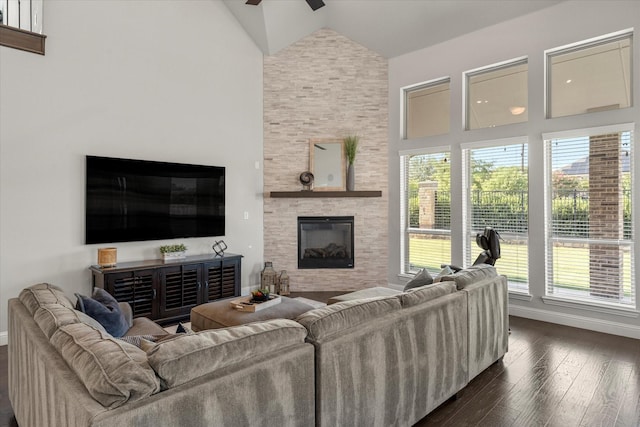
x=104, y=308
x=421, y=278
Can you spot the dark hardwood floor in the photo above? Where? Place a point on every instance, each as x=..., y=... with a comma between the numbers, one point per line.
x=552, y=376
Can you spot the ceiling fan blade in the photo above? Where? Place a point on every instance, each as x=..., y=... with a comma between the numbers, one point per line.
x=253, y=2
x=315, y=4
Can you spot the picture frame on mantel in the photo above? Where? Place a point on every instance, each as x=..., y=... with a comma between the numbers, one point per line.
x=328, y=164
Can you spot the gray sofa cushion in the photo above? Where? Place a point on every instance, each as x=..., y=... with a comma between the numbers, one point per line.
x=50, y=317
x=113, y=372
x=470, y=275
x=145, y=326
x=127, y=312
x=184, y=358
x=326, y=321
x=426, y=293
x=41, y=294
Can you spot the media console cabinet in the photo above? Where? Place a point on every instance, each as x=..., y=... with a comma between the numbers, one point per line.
x=165, y=291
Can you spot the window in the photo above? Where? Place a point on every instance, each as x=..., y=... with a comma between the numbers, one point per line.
x=589, y=77
x=590, y=230
x=497, y=195
x=497, y=95
x=427, y=109
x=426, y=211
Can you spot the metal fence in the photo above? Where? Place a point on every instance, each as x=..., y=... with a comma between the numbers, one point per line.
x=508, y=211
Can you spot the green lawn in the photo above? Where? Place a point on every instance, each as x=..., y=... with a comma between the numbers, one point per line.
x=571, y=265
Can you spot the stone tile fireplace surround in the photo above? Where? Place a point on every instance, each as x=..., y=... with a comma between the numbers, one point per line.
x=326, y=86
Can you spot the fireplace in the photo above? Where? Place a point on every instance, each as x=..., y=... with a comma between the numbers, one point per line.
x=325, y=242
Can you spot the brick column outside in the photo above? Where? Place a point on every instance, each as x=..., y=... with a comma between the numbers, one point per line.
x=427, y=200
x=606, y=216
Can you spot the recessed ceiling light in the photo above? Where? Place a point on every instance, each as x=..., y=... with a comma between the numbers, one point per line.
x=479, y=101
x=516, y=111
x=485, y=101
x=569, y=81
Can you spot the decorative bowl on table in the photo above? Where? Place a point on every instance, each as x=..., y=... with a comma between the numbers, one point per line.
x=260, y=295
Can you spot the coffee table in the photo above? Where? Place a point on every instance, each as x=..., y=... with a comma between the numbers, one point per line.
x=220, y=314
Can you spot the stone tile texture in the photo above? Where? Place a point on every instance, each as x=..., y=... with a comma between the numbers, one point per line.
x=326, y=86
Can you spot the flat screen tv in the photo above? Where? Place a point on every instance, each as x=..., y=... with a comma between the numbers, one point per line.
x=135, y=200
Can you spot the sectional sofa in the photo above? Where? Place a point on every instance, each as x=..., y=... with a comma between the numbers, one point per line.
x=378, y=361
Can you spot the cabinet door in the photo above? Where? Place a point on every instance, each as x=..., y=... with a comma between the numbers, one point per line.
x=137, y=288
x=222, y=280
x=180, y=290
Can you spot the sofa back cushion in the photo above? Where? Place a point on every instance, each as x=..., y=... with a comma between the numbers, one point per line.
x=470, y=275
x=50, y=317
x=181, y=359
x=41, y=294
x=426, y=293
x=113, y=372
x=335, y=318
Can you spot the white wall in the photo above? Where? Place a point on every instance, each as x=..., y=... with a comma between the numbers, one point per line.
x=530, y=35
x=165, y=80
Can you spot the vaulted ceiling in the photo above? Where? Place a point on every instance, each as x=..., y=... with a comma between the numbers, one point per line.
x=388, y=27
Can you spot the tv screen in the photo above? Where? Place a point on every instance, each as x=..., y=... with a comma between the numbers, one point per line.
x=135, y=200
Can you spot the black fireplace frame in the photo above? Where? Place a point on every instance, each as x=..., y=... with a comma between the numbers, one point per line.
x=313, y=263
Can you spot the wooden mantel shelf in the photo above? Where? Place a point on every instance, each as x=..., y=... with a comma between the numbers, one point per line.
x=321, y=194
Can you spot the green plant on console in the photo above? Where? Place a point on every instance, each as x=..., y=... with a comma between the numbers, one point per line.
x=172, y=248
x=351, y=147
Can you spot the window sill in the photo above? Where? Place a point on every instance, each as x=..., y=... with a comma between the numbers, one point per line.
x=522, y=296
x=21, y=39
x=585, y=305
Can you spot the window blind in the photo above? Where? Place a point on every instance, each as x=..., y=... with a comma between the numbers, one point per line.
x=590, y=230
x=497, y=195
x=425, y=211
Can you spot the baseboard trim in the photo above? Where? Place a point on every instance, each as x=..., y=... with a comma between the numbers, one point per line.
x=4, y=338
x=598, y=325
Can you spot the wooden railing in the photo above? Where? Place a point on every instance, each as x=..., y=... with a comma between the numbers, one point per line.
x=21, y=25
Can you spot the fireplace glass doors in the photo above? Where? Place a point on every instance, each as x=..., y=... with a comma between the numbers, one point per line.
x=325, y=242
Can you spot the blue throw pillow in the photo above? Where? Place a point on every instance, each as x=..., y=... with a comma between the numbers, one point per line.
x=105, y=309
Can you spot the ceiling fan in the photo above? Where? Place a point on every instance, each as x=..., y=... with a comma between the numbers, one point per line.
x=313, y=4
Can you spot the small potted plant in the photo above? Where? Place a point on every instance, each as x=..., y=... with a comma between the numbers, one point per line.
x=350, y=150
x=171, y=252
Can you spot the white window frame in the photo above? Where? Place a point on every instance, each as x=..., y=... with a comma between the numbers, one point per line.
x=404, y=212
x=466, y=204
x=572, y=47
x=595, y=306
x=404, y=102
x=481, y=70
